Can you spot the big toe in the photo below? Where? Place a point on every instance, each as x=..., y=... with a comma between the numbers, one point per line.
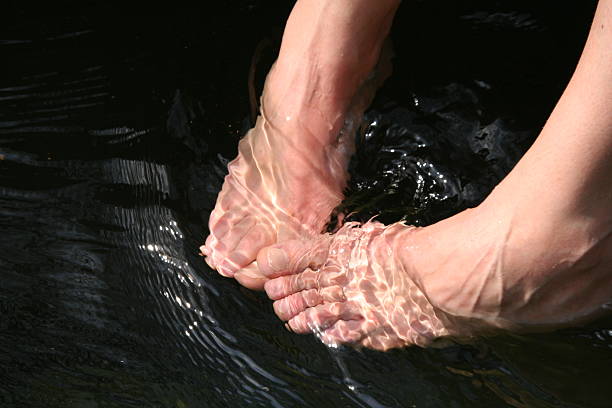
x=292, y=257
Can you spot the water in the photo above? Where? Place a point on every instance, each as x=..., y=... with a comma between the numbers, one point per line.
x=114, y=135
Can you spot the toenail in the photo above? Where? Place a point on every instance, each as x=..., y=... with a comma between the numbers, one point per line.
x=224, y=270
x=277, y=259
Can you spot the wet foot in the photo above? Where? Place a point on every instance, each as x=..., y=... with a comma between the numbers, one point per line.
x=471, y=274
x=350, y=288
x=289, y=175
x=278, y=188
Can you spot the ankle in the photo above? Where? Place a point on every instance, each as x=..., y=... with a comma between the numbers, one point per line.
x=454, y=263
x=306, y=102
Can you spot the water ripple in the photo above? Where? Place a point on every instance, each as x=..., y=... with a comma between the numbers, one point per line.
x=113, y=146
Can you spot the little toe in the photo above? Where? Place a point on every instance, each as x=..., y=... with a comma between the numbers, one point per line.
x=292, y=305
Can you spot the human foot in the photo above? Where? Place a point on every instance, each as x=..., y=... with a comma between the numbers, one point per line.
x=291, y=168
x=267, y=196
x=353, y=289
x=480, y=270
x=284, y=183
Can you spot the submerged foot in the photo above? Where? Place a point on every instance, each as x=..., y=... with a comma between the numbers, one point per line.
x=281, y=186
x=289, y=175
x=350, y=288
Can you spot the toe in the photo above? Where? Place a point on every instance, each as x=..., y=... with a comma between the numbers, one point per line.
x=217, y=251
x=245, y=251
x=240, y=228
x=273, y=261
x=219, y=224
x=250, y=278
x=319, y=318
x=213, y=252
x=284, y=286
x=293, y=256
x=240, y=246
x=290, y=306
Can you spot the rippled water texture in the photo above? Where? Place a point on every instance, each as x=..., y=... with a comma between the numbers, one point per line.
x=114, y=136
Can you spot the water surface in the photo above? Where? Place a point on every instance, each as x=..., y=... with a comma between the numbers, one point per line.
x=114, y=136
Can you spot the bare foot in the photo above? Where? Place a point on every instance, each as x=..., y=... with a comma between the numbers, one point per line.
x=291, y=168
x=284, y=183
x=481, y=270
x=352, y=289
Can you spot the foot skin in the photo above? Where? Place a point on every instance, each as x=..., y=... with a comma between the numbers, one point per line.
x=352, y=289
x=264, y=199
x=284, y=184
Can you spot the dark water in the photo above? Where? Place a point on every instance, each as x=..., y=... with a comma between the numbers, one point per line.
x=114, y=135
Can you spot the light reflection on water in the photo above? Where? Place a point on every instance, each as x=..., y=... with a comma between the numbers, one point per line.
x=112, y=151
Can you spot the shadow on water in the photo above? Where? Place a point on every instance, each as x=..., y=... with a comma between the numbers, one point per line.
x=114, y=136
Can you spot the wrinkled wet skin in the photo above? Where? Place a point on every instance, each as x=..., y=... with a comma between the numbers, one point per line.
x=285, y=182
x=352, y=289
